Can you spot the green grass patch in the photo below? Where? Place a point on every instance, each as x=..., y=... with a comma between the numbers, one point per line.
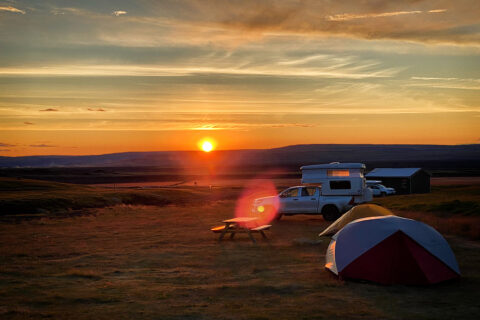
x=29, y=197
x=442, y=201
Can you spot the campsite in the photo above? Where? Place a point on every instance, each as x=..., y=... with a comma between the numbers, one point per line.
x=148, y=258
x=239, y=160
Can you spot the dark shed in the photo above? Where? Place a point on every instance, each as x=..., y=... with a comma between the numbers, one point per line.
x=403, y=180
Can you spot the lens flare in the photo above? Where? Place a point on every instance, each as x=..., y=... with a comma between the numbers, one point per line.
x=258, y=188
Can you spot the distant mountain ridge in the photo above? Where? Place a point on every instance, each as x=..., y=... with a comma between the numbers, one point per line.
x=284, y=156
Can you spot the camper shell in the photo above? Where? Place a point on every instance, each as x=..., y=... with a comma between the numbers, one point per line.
x=338, y=179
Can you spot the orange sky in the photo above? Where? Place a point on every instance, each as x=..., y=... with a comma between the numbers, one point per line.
x=117, y=76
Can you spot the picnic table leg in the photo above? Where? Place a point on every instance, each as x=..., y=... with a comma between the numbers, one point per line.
x=263, y=234
x=234, y=230
x=227, y=225
x=250, y=235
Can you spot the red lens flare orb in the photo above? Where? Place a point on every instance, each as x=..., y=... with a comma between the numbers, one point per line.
x=254, y=189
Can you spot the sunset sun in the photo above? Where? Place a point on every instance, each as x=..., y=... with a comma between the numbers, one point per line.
x=207, y=146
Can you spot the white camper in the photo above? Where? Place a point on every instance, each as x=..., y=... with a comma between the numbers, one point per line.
x=338, y=179
x=328, y=189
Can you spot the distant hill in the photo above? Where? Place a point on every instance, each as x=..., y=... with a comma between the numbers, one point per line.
x=296, y=155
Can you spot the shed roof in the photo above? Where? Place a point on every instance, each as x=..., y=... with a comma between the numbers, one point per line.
x=334, y=165
x=393, y=172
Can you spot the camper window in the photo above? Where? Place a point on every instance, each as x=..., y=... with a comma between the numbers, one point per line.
x=338, y=173
x=343, y=184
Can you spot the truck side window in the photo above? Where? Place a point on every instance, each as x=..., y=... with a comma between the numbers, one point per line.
x=308, y=191
x=291, y=193
x=342, y=184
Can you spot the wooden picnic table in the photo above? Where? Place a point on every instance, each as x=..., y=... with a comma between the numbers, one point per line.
x=240, y=224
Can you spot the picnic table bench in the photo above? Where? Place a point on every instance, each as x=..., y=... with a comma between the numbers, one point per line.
x=240, y=225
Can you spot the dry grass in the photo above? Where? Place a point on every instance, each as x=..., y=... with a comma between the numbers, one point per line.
x=451, y=209
x=24, y=198
x=443, y=201
x=163, y=263
x=464, y=226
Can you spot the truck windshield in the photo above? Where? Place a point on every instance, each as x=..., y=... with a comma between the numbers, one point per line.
x=290, y=193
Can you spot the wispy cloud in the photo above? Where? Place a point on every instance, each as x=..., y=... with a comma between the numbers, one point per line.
x=304, y=59
x=245, y=126
x=97, y=109
x=350, y=72
x=446, y=83
x=6, y=145
x=11, y=9
x=119, y=13
x=42, y=145
x=350, y=16
x=49, y=110
x=28, y=123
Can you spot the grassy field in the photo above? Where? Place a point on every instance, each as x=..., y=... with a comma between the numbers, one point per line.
x=162, y=262
x=451, y=209
x=25, y=198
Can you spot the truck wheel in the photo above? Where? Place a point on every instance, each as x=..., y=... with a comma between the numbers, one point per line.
x=330, y=213
x=279, y=216
x=383, y=194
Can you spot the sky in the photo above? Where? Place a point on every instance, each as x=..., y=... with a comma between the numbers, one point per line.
x=93, y=77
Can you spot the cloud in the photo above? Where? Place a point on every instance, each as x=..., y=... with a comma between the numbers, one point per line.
x=245, y=126
x=28, y=123
x=11, y=9
x=57, y=12
x=445, y=83
x=348, y=16
x=289, y=125
x=49, y=110
x=119, y=13
x=98, y=109
x=42, y=145
x=339, y=70
x=6, y=145
x=232, y=23
x=4, y=150
x=451, y=22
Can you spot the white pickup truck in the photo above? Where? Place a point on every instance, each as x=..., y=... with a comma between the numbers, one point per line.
x=378, y=189
x=331, y=190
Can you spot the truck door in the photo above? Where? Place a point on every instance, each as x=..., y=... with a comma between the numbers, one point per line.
x=308, y=200
x=289, y=200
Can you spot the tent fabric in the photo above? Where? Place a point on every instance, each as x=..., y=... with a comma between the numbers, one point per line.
x=357, y=212
x=391, y=250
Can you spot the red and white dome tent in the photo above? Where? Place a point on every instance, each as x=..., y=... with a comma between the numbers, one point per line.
x=391, y=250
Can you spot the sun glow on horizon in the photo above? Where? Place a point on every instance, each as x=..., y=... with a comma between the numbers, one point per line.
x=206, y=145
